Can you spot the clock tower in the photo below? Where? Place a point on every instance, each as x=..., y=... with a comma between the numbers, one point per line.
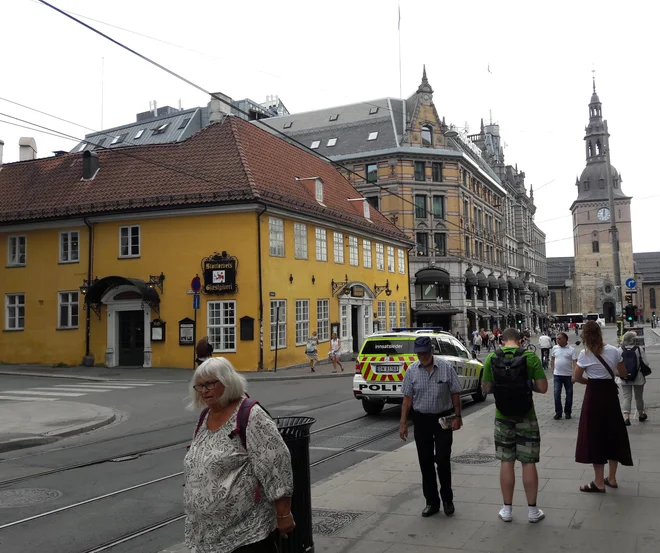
x=594, y=276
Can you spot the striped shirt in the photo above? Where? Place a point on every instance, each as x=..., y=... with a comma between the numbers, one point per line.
x=431, y=392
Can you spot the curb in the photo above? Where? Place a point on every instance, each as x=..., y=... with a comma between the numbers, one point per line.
x=53, y=436
x=300, y=377
x=69, y=376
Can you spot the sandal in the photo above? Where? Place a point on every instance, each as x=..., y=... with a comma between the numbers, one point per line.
x=607, y=483
x=591, y=488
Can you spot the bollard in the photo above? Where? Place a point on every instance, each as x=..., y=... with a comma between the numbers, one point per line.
x=295, y=433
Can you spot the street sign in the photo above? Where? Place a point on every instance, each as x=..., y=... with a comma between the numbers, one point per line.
x=196, y=302
x=631, y=283
x=196, y=284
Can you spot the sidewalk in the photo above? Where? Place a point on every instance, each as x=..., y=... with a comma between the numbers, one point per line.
x=323, y=370
x=25, y=426
x=376, y=505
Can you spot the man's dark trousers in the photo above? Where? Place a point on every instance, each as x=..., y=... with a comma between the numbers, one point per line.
x=433, y=447
x=566, y=382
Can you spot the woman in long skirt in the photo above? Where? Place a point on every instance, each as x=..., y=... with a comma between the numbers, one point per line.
x=602, y=434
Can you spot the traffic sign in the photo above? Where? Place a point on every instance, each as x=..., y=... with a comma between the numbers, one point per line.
x=631, y=283
x=196, y=302
x=196, y=284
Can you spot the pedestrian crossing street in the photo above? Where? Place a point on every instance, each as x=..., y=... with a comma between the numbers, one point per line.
x=70, y=391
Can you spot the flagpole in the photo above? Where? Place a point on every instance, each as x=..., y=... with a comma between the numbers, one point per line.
x=400, y=77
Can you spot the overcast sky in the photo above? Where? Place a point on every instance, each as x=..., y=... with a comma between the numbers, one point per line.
x=538, y=88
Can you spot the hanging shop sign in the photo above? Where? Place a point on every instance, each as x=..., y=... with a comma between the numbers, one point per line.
x=186, y=332
x=220, y=274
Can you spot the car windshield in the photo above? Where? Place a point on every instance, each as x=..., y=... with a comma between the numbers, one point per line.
x=388, y=346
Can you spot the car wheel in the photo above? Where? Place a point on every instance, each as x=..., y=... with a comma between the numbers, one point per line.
x=372, y=407
x=479, y=395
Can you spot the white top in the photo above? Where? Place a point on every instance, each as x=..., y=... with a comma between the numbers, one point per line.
x=564, y=357
x=592, y=367
x=545, y=342
x=334, y=345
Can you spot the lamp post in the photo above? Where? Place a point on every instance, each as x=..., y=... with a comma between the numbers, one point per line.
x=614, y=232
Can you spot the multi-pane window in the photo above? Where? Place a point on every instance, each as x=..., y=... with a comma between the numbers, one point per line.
x=344, y=321
x=366, y=254
x=277, y=324
x=420, y=206
x=371, y=171
x=382, y=316
x=302, y=321
x=221, y=325
x=321, y=245
x=403, y=314
x=69, y=247
x=440, y=244
x=129, y=241
x=367, y=321
x=353, y=254
x=14, y=311
x=422, y=240
x=390, y=259
x=16, y=250
x=438, y=207
x=374, y=201
x=338, y=245
x=467, y=246
x=323, y=319
x=402, y=262
x=300, y=240
x=419, y=171
x=437, y=172
x=392, y=307
x=380, y=257
x=427, y=136
x=651, y=298
x=68, y=310
x=319, y=184
x=276, y=234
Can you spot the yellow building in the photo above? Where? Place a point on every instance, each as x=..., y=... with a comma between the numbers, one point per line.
x=103, y=249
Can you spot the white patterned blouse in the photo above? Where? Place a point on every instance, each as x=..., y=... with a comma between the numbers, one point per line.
x=221, y=480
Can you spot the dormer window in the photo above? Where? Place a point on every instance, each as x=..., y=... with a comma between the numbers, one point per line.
x=331, y=142
x=334, y=117
x=427, y=136
x=139, y=133
x=161, y=129
x=288, y=125
x=366, y=209
x=315, y=144
x=373, y=135
x=373, y=111
x=319, y=191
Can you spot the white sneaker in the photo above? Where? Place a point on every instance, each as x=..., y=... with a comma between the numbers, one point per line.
x=506, y=514
x=536, y=517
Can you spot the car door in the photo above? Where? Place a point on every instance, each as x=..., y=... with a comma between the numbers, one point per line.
x=470, y=367
x=449, y=354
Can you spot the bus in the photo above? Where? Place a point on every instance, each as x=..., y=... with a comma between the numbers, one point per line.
x=570, y=318
x=598, y=318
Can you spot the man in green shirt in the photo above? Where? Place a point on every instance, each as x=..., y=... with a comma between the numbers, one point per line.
x=512, y=374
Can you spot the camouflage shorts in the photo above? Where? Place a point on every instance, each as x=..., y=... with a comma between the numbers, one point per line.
x=517, y=440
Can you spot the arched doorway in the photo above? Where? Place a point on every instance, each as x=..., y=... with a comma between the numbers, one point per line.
x=355, y=311
x=609, y=311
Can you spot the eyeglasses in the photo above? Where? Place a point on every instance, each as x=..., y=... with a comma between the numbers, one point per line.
x=207, y=385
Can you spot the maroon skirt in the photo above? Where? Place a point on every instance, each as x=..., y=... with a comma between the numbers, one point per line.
x=602, y=434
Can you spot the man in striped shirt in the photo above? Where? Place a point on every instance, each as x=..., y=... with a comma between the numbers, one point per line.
x=431, y=387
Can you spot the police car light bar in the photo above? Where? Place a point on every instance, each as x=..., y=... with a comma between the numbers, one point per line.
x=419, y=330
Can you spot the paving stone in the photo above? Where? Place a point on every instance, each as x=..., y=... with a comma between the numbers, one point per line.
x=632, y=522
x=362, y=488
x=327, y=544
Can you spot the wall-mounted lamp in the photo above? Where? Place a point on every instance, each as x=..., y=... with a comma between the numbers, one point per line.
x=386, y=289
x=87, y=284
x=291, y=279
x=156, y=281
x=84, y=289
x=337, y=286
x=313, y=280
x=397, y=287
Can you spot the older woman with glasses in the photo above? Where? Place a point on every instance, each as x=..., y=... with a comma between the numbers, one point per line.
x=636, y=384
x=235, y=497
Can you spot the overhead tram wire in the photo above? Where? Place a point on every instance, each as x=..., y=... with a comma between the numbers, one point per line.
x=230, y=104
x=35, y=130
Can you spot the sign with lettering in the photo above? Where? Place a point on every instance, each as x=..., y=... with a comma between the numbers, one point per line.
x=220, y=274
x=357, y=292
x=186, y=332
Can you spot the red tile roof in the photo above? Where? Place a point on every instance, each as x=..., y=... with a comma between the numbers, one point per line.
x=232, y=161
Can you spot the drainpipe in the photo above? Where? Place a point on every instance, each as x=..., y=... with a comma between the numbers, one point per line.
x=90, y=250
x=261, y=293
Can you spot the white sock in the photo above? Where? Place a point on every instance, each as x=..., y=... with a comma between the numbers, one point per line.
x=533, y=510
x=506, y=509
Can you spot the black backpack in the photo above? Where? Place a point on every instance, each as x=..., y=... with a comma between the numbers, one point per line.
x=631, y=362
x=511, y=386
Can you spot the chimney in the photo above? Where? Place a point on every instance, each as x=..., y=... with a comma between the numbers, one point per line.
x=155, y=109
x=90, y=164
x=217, y=109
x=27, y=148
x=2, y=145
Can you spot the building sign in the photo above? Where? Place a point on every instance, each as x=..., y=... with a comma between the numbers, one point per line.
x=220, y=274
x=157, y=330
x=357, y=292
x=186, y=332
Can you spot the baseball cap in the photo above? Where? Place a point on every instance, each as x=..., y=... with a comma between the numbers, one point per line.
x=423, y=344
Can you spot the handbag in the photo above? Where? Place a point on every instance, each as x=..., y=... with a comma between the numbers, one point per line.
x=646, y=370
x=602, y=362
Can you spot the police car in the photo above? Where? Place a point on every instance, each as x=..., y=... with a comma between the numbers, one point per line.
x=385, y=357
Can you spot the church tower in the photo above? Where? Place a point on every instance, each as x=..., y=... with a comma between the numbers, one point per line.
x=594, y=277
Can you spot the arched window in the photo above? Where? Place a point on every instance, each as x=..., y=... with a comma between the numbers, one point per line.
x=599, y=147
x=652, y=297
x=595, y=247
x=427, y=136
x=591, y=149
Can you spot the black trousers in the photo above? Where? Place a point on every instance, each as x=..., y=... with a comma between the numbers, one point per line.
x=433, y=448
x=267, y=545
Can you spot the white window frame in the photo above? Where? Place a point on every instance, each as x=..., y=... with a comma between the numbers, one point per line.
x=353, y=251
x=321, y=244
x=380, y=257
x=318, y=189
x=382, y=315
x=366, y=254
x=392, y=315
x=68, y=299
x=403, y=314
x=344, y=321
x=14, y=302
x=331, y=142
x=373, y=135
x=222, y=345
x=129, y=245
x=273, y=325
x=390, y=259
x=338, y=247
x=13, y=246
x=402, y=262
x=366, y=209
x=302, y=322
x=276, y=237
x=300, y=240
x=315, y=144
x=67, y=237
x=323, y=319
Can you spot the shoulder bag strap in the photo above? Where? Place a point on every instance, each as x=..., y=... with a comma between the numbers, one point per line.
x=602, y=362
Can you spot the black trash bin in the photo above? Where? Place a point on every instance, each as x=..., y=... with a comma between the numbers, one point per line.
x=295, y=432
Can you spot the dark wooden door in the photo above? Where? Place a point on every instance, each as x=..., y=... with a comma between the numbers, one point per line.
x=131, y=338
x=354, y=328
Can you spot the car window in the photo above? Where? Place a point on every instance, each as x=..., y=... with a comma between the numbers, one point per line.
x=388, y=346
x=460, y=349
x=446, y=347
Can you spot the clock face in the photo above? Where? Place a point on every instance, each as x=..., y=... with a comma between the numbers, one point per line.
x=604, y=214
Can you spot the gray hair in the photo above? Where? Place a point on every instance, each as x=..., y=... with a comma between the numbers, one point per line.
x=222, y=370
x=629, y=338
